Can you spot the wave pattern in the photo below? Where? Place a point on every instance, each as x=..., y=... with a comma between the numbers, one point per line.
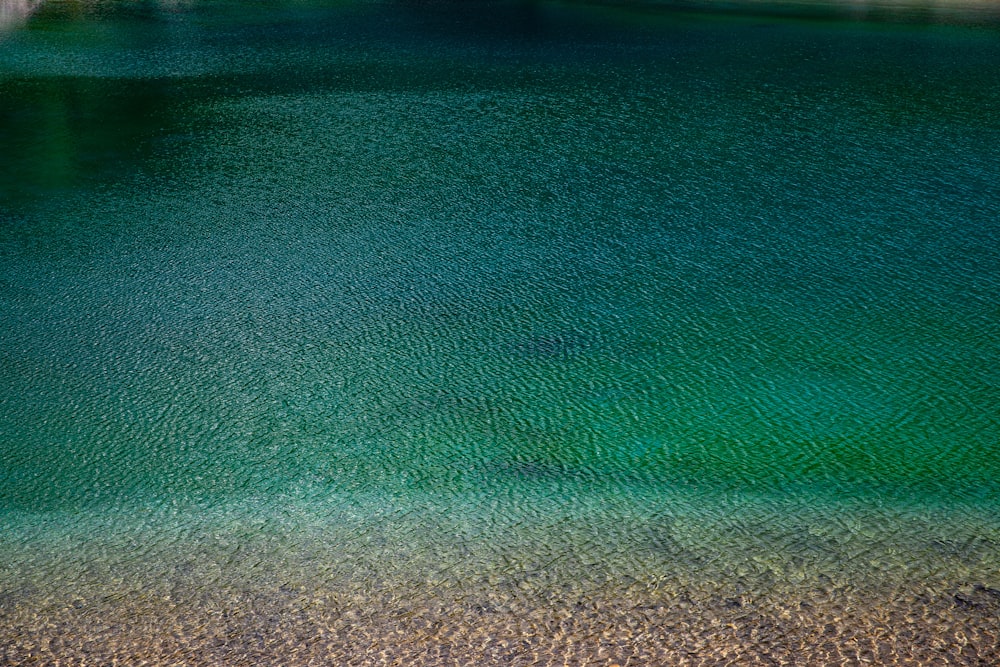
x=369, y=305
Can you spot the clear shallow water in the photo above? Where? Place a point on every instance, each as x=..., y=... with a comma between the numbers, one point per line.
x=456, y=302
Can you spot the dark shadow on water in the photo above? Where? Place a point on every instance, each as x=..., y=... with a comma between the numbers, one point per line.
x=57, y=133
x=901, y=11
x=531, y=19
x=521, y=18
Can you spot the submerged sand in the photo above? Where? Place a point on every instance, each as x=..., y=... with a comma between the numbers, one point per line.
x=945, y=624
x=580, y=588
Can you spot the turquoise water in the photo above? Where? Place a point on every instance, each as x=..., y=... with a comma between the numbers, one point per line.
x=430, y=297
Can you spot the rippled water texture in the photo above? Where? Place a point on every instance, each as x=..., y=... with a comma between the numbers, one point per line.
x=497, y=334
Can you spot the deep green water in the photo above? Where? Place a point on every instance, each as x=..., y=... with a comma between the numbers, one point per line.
x=446, y=293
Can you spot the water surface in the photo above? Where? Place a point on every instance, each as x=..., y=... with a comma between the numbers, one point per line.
x=352, y=329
